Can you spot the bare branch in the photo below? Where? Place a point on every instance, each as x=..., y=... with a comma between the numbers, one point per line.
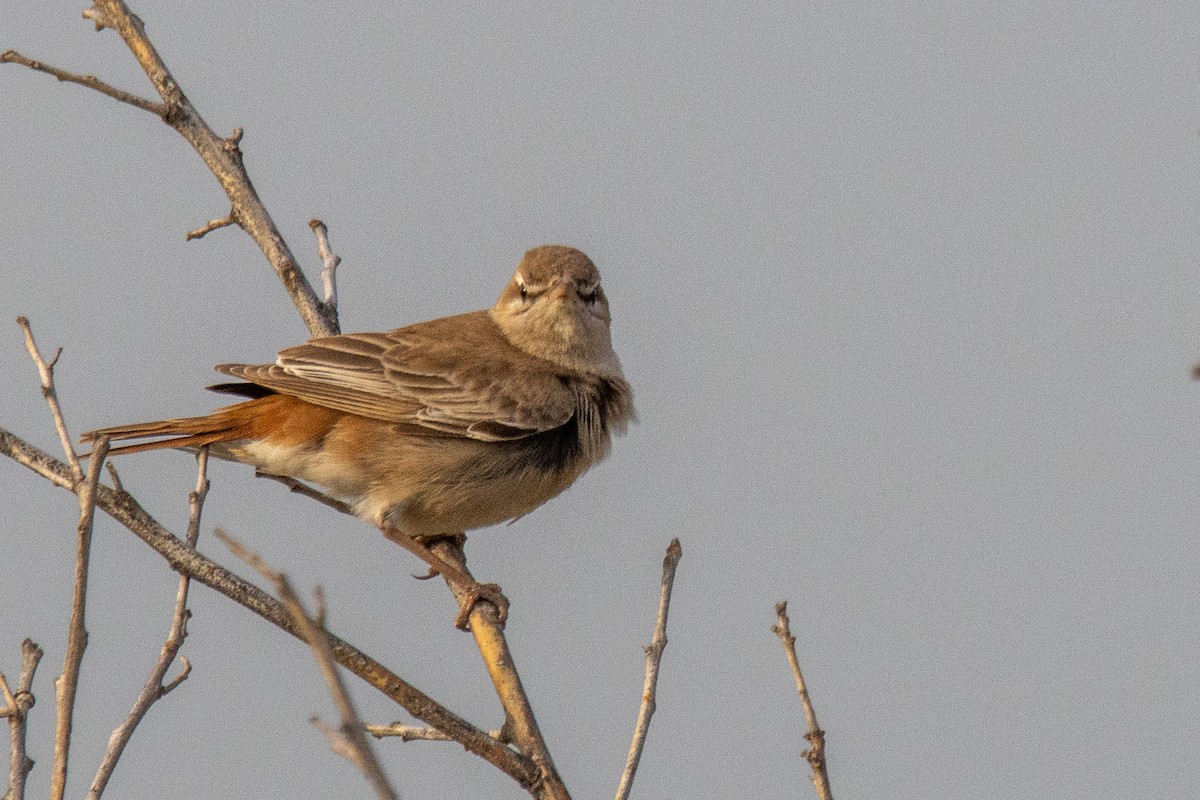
x=77, y=634
x=348, y=739
x=46, y=372
x=815, y=755
x=113, y=476
x=222, y=159
x=329, y=262
x=90, y=81
x=654, y=653
x=154, y=688
x=17, y=710
x=124, y=509
x=488, y=630
x=210, y=226
x=414, y=733
x=304, y=489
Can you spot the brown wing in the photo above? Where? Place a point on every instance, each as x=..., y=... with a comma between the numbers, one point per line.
x=455, y=376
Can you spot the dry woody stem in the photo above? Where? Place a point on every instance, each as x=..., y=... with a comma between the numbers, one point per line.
x=530, y=763
x=122, y=507
x=348, y=739
x=488, y=630
x=155, y=689
x=654, y=653
x=222, y=156
x=16, y=709
x=815, y=755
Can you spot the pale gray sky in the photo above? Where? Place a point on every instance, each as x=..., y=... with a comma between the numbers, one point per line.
x=908, y=298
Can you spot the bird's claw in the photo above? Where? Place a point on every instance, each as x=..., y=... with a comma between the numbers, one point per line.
x=481, y=592
x=432, y=573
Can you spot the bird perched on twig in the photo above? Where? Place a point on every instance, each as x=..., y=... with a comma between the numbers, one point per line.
x=436, y=428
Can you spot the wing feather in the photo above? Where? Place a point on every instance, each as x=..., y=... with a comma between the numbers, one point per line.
x=456, y=376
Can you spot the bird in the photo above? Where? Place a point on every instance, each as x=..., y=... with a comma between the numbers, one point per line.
x=436, y=428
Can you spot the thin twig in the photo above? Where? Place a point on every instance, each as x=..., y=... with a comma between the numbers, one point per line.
x=304, y=489
x=488, y=631
x=348, y=740
x=815, y=755
x=223, y=159
x=154, y=688
x=17, y=710
x=210, y=226
x=329, y=262
x=90, y=81
x=77, y=634
x=124, y=509
x=416, y=733
x=654, y=653
x=46, y=373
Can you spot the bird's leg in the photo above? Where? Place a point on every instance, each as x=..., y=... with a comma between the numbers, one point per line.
x=475, y=591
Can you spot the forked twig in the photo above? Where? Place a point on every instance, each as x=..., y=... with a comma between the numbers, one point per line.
x=46, y=373
x=815, y=755
x=124, y=509
x=348, y=739
x=654, y=653
x=220, y=155
x=155, y=689
x=16, y=708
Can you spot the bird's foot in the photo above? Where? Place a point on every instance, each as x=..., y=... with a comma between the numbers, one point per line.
x=475, y=594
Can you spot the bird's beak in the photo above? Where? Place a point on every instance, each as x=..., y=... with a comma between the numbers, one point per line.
x=562, y=288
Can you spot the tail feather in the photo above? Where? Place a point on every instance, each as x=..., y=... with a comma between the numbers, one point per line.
x=179, y=433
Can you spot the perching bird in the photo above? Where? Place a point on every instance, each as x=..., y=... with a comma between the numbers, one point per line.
x=439, y=427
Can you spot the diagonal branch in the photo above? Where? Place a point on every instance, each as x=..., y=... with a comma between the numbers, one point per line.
x=124, y=509
x=349, y=739
x=488, y=630
x=224, y=160
x=90, y=81
x=654, y=655
x=815, y=755
x=221, y=155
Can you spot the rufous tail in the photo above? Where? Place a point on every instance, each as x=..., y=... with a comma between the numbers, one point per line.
x=220, y=426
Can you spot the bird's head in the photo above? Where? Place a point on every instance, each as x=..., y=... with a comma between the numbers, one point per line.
x=555, y=308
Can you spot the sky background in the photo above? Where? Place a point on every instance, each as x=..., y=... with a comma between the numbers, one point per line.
x=908, y=296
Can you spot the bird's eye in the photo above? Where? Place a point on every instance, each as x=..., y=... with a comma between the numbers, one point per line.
x=524, y=292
